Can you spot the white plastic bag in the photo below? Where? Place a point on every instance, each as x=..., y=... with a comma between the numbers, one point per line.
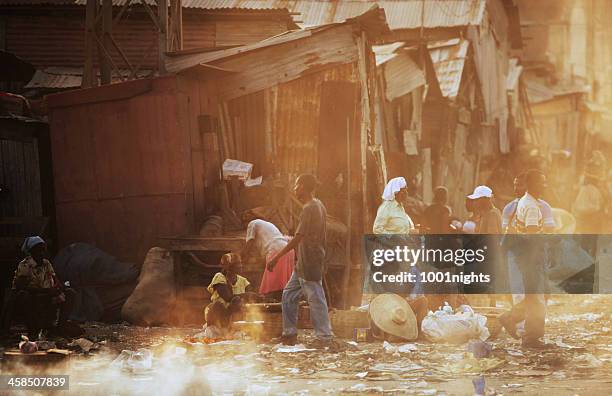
x=455, y=328
x=134, y=361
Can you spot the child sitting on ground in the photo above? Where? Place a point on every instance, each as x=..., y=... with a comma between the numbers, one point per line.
x=229, y=292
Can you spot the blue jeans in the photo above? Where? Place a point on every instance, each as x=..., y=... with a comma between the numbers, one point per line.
x=527, y=267
x=316, y=301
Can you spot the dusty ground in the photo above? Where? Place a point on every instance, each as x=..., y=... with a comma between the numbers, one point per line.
x=580, y=363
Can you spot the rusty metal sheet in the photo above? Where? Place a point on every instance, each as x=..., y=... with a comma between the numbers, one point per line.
x=68, y=77
x=514, y=74
x=52, y=39
x=402, y=76
x=449, y=61
x=122, y=171
x=401, y=14
x=404, y=14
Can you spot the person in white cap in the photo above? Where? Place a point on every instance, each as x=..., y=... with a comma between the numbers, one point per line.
x=488, y=216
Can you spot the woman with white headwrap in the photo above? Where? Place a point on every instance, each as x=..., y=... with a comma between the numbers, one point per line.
x=391, y=217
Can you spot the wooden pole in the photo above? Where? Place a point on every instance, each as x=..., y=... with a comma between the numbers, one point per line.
x=162, y=13
x=176, y=26
x=349, y=219
x=89, y=72
x=107, y=29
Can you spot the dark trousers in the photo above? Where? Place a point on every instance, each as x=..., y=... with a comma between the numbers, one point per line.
x=38, y=311
x=530, y=260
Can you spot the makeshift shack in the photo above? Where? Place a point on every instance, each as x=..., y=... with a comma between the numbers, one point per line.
x=138, y=163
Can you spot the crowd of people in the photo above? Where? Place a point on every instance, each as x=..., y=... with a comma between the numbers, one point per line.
x=295, y=265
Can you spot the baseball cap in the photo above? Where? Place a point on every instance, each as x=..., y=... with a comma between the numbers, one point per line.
x=481, y=192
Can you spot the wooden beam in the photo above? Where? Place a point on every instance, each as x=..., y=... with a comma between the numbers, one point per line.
x=162, y=12
x=101, y=94
x=176, y=26
x=413, y=36
x=90, y=78
x=365, y=124
x=121, y=53
x=104, y=54
x=107, y=31
x=121, y=11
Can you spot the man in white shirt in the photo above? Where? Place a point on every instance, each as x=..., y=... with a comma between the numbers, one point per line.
x=530, y=261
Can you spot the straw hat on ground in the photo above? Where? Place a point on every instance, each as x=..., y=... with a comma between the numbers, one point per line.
x=393, y=315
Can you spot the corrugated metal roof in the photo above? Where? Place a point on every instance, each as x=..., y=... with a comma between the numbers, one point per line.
x=373, y=18
x=202, y=4
x=67, y=77
x=402, y=76
x=401, y=14
x=449, y=61
x=538, y=92
x=386, y=52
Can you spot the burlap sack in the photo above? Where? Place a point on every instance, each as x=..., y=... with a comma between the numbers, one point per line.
x=153, y=299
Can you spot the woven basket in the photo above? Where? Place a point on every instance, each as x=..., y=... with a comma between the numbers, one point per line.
x=493, y=323
x=344, y=322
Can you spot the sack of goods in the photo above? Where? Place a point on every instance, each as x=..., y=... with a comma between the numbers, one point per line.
x=153, y=299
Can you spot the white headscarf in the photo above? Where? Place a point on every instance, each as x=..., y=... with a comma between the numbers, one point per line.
x=392, y=187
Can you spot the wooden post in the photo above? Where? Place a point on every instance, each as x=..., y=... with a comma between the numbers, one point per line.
x=349, y=217
x=107, y=29
x=365, y=124
x=162, y=14
x=175, y=42
x=89, y=72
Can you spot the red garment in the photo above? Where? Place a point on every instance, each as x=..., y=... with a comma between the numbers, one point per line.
x=278, y=278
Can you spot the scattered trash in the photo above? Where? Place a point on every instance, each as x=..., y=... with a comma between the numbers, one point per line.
x=138, y=361
x=399, y=367
x=27, y=346
x=45, y=345
x=512, y=386
x=588, y=361
x=389, y=348
x=591, y=317
x=479, y=349
x=84, y=344
x=512, y=352
x=258, y=390
x=361, y=375
x=532, y=373
x=364, y=388
x=479, y=385
x=292, y=349
x=457, y=328
x=473, y=365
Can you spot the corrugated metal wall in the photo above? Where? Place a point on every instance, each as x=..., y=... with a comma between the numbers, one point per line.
x=293, y=111
x=57, y=38
x=122, y=171
x=19, y=173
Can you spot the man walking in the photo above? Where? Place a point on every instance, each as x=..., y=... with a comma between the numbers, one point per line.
x=308, y=273
x=529, y=254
